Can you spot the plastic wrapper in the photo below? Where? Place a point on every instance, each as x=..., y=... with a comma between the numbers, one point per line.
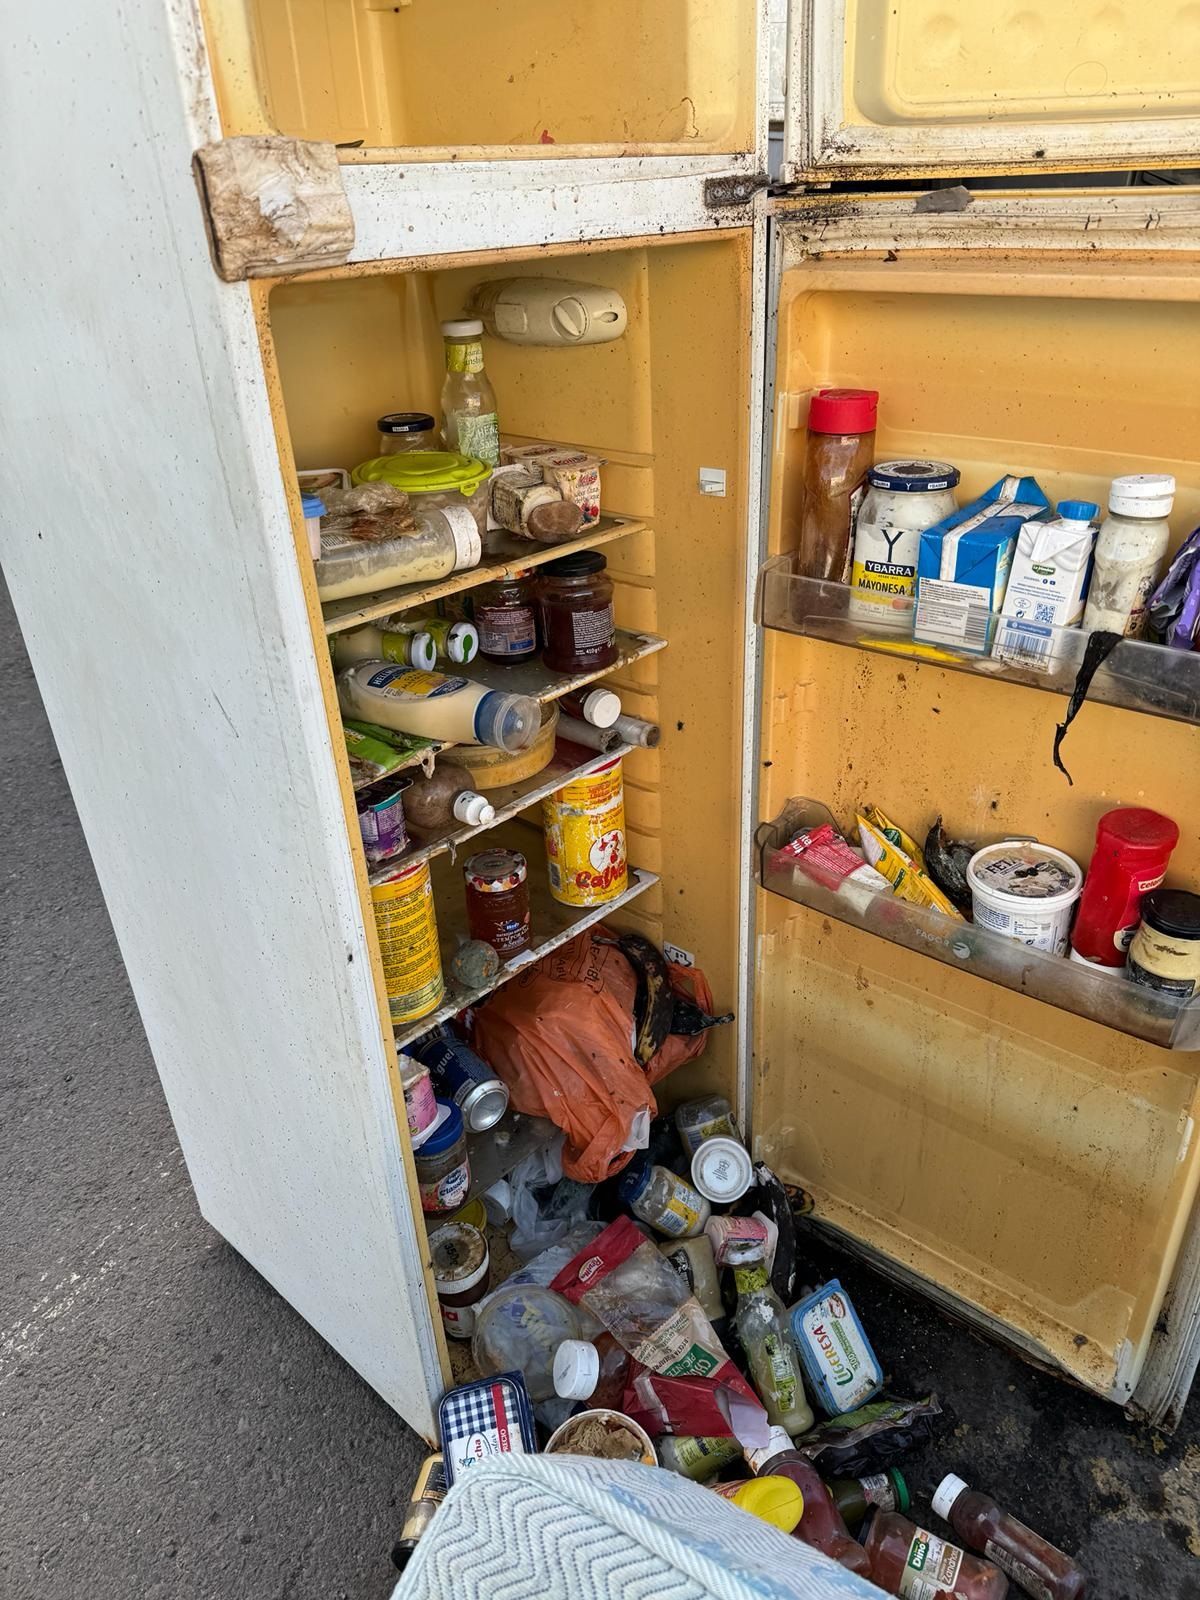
x=622, y=1279
x=369, y=514
x=518, y=1329
x=890, y=850
x=873, y=1437
x=1175, y=604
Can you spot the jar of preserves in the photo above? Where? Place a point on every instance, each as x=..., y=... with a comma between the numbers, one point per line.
x=903, y=499
x=841, y=446
x=461, y=1271
x=401, y=431
x=576, y=597
x=1165, y=953
x=498, y=900
x=506, y=619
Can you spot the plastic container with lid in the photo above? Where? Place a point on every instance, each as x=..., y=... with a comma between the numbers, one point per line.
x=841, y=446
x=443, y=1168
x=576, y=597
x=469, y=418
x=666, y=1203
x=505, y=615
x=402, y=432
x=445, y=539
x=461, y=1268
x=518, y=1329
x=441, y=480
x=1025, y=891
x=435, y=706
x=314, y=509
x=903, y=499
x=722, y=1170
x=1165, y=952
x=497, y=891
x=1133, y=847
x=777, y=1501
x=698, y=1120
x=1130, y=549
x=593, y=1371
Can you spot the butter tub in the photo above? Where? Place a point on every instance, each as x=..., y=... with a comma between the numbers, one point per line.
x=841, y=1369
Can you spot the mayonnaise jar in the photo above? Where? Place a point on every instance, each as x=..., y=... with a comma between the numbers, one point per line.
x=903, y=499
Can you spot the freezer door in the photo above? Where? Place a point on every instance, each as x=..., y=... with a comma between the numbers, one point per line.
x=1028, y=1168
x=878, y=90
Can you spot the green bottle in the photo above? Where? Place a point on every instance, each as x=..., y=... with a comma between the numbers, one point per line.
x=774, y=1365
x=854, y=1497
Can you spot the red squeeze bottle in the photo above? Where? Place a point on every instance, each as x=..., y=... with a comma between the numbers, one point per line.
x=820, y=1522
x=905, y=1560
x=1033, y=1565
x=1133, y=846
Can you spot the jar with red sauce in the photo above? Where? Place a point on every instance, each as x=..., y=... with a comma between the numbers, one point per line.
x=576, y=596
x=498, y=900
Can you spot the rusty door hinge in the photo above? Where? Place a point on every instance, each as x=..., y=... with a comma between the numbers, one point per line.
x=273, y=205
x=737, y=190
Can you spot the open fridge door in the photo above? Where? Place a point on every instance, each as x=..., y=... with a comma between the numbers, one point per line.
x=926, y=90
x=1029, y=1163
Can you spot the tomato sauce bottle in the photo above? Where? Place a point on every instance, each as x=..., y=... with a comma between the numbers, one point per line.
x=820, y=1522
x=908, y=1561
x=1033, y=1564
x=1133, y=847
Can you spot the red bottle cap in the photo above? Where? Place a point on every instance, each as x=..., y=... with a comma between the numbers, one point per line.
x=1138, y=828
x=843, y=411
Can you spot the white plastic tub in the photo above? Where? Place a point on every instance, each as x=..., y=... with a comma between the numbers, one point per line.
x=1025, y=891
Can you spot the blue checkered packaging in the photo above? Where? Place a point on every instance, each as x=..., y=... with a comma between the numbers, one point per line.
x=479, y=1421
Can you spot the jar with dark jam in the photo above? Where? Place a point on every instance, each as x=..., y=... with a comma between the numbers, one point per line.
x=498, y=901
x=505, y=616
x=576, y=596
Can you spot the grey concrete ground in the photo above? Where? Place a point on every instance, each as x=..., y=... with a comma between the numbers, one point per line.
x=171, y=1430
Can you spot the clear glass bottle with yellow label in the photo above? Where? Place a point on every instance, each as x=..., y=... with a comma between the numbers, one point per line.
x=470, y=422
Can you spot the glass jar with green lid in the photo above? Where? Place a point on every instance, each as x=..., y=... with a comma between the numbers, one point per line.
x=440, y=478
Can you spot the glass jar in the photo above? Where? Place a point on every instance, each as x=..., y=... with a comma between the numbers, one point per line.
x=461, y=1271
x=506, y=619
x=1165, y=953
x=664, y=1202
x=498, y=901
x=903, y=499
x=1130, y=549
x=443, y=1170
x=576, y=597
x=402, y=431
x=469, y=421
x=841, y=446
x=440, y=479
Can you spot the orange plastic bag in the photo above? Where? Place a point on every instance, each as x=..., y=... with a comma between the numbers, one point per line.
x=560, y=1036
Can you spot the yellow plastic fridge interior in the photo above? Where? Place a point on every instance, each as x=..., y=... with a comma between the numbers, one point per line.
x=1037, y=1166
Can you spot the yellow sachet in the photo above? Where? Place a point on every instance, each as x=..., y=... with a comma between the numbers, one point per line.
x=890, y=851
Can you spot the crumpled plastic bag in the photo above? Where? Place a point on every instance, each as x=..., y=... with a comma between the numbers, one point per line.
x=561, y=1037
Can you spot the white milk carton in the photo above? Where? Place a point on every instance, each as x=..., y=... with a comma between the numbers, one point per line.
x=1047, y=585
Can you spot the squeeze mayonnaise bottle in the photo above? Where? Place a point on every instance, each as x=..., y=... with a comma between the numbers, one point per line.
x=435, y=706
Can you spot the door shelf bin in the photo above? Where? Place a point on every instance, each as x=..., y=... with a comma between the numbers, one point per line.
x=1101, y=996
x=1136, y=676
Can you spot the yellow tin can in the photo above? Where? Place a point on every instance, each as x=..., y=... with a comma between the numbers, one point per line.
x=585, y=838
x=408, y=941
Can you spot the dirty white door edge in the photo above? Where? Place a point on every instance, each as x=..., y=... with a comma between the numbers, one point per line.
x=148, y=547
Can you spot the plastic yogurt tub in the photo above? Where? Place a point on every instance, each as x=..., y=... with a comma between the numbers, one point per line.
x=1025, y=891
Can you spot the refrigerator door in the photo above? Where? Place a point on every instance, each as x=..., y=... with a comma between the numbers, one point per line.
x=878, y=90
x=1028, y=1168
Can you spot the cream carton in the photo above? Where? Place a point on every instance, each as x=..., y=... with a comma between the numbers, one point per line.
x=1047, y=585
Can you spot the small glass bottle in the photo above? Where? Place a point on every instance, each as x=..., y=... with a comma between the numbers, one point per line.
x=576, y=596
x=662, y=1201
x=906, y=1560
x=498, y=901
x=469, y=421
x=841, y=446
x=404, y=431
x=821, y=1524
x=506, y=620
x=774, y=1366
x=696, y=1458
x=855, y=1497
x=1033, y=1564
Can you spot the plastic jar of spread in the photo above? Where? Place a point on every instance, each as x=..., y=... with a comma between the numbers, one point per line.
x=498, y=900
x=664, y=1202
x=402, y=431
x=576, y=596
x=506, y=619
x=461, y=1270
x=1130, y=548
x=1133, y=847
x=903, y=499
x=443, y=1169
x=1165, y=952
x=698, y=1120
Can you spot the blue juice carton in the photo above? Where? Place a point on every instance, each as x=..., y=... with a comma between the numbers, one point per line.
x=841, y=1369
x=964, y=561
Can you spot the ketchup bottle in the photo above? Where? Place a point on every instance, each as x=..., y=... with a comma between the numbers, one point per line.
x=1133, y=846
x=1033, y=1565
x=905, y=1560
x=820, y=1522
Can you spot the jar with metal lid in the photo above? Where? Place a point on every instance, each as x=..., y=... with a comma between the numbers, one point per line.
x=1165, y=952
x=401, y=431
x=576, y=597
x=461, y=1269
x=506, y=619
x=662, y=1200
x=903, y=499
x=498, y=901
x=443, y=1168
